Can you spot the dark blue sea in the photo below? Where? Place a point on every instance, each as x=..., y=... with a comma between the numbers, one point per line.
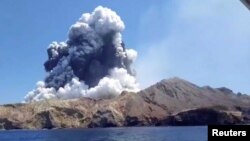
x=198, y=133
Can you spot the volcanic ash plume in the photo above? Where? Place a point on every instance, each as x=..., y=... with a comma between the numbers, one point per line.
x=92, y=62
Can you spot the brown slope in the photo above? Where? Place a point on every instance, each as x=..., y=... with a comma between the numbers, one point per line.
x=176, y=95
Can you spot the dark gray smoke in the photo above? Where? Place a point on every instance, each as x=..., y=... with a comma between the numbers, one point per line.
x=90, y=62
x=91, y=65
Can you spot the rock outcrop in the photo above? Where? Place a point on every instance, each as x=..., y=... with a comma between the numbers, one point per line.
x=169, y=102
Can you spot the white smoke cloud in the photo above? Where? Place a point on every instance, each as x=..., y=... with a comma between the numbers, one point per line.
x=132, y=54
x=104, y=20
x=94, y=44
x=119, y=80
x=40, y=93
x=110, y=86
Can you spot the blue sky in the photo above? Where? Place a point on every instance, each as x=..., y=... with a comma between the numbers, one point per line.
x=206, y=42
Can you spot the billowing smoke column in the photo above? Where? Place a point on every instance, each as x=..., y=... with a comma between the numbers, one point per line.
x=93, y=62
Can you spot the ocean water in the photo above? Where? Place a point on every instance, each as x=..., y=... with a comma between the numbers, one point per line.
x=198, y=133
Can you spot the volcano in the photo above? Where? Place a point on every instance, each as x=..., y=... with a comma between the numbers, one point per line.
x=172, y=101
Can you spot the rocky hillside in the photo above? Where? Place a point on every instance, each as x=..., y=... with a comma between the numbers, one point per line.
x=169, y=102
x=176, y=95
